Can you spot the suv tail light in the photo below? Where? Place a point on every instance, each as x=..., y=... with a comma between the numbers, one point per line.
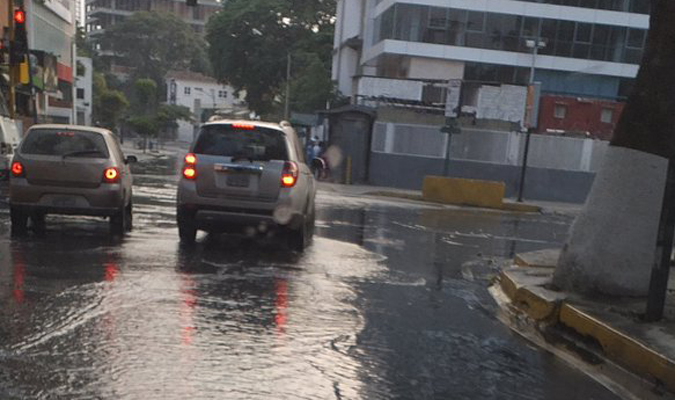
x=289, y=176
x=189, y=170
x=190, y=159
x=111, y=175
x=17, y=170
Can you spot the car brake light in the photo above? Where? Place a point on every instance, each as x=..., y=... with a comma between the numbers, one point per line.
x=246, y=127
x=189, y=172
x=17, y=169
x=289, y=175
x=190, y=159
x=111, y=175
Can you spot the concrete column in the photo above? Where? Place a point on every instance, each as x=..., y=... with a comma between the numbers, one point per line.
x=586, y=155
x=612, y=242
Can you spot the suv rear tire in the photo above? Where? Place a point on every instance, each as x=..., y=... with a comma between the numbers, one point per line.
x=187, y=228
x=19, y=222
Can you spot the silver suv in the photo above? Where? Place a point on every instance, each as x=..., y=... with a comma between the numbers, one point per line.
x=247, y=177
x=65, y=169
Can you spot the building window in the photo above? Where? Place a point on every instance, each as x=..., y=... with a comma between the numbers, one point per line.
x=186, y=90
x=80, y=93
x=222, y=94
x=560, y=111
x=491, y=30
x=607, y=115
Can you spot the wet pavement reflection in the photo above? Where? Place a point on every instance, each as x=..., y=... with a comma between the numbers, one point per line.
x=389, y=302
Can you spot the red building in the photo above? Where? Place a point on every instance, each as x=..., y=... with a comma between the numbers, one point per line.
x=578, y=116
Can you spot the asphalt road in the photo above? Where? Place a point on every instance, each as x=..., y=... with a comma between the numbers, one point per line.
x=390, y=302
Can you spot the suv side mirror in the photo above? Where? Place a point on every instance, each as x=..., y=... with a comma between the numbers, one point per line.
x=130, y=160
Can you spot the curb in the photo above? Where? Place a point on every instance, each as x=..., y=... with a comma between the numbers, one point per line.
x=621, y=348
x=507, y=207
x=525, y=285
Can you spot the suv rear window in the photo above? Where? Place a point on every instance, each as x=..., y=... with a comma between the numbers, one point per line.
x=255, y=143
x=73, y=143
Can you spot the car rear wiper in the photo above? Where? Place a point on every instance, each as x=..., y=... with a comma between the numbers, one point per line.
x=81, y=153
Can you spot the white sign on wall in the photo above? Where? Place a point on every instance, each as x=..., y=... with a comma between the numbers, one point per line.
x=505, y=103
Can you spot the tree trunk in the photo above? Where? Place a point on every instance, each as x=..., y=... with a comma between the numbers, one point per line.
x=612, y=242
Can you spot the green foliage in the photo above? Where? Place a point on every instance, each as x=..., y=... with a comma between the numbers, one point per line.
x=154, y=43
x=112, y=105
x=144, y=96
x=150, y=119
x=108, y=105
x=168, y=114
x=144, y=125
x=250, y=40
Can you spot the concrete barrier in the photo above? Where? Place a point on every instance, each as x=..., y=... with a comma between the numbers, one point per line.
x=468, y=192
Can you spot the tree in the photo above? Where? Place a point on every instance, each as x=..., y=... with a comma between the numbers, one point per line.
x=251, y=39
x=612, y=243
x=150, y=118
x=108, y=105
x=154, y=43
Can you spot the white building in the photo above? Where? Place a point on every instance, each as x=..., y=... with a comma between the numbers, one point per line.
x=51, y=32
x=83, y=91
x=203, y=95
x=593, y=47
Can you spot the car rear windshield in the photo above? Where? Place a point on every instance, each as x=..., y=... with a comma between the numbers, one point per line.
x=248, y=143
x=65, y=143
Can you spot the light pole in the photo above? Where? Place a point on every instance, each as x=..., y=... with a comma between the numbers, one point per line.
x=535, y=45
x=287, y=105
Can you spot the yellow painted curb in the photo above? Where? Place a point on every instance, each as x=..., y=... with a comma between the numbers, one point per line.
x=508, y=285
x=469, y=192
x=527, y=300
x=621, y=348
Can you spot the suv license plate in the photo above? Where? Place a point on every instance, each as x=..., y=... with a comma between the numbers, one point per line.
x=64, y=201
x=238, y=180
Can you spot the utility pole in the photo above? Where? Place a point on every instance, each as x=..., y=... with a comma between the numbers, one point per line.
x=287, y=107
x=535, y=45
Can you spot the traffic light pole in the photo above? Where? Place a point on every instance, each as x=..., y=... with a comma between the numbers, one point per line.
x=13, y=69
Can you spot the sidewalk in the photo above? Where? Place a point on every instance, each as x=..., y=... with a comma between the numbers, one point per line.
x=366, y=190
x=165, y=150
x=609, y=328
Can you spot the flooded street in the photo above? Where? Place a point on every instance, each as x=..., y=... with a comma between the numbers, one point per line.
x=389, y=302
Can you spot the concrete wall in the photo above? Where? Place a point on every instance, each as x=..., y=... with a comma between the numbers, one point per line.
x=408, y=172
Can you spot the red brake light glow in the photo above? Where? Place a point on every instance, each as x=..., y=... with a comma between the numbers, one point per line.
x=190, y=159
x=289, y=176
x=111, y=175
x=189, y=172
x=17, y=169
x=246, y=127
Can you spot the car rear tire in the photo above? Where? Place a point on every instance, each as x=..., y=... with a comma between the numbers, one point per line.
x=187, y=228
x=39, y=223
x=19, y=222
x=129, y=218
x=118, y=222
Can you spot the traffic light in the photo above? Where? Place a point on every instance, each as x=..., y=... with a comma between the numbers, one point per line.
x=19, y=46
x=192, y=3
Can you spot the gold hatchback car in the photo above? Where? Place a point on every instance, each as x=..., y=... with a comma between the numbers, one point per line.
x=67, y=169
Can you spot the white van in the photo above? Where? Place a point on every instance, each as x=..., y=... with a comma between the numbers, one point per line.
x=9, y=140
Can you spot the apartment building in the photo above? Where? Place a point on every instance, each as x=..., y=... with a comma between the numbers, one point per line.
x=101, y=14
x=587, y=48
